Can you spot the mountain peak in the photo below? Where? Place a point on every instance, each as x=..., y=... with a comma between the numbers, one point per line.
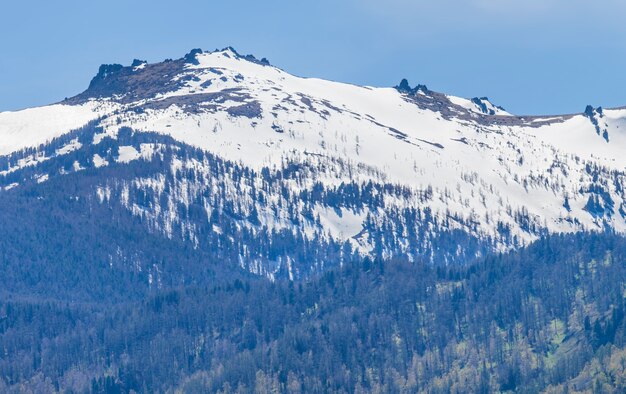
x=405, y=87
x=106, y=70
x=230, y=51
x=485, y=106
x=192, y=56
x=142, y=80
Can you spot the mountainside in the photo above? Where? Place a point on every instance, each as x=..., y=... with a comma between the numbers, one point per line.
x=215, y=224
x=549, y=318
x=282, y=175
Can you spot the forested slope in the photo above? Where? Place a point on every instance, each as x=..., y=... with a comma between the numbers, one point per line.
x=549, y=317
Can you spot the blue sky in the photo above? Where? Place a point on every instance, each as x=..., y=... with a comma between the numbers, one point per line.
x=532, y=56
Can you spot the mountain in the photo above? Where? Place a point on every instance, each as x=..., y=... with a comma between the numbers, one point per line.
x=228, y=156
x=215, y=224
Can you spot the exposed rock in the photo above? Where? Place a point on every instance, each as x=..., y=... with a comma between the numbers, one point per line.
x=191, y=56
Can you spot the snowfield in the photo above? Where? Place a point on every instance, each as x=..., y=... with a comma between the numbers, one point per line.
x=485, y=167
x=35, y=126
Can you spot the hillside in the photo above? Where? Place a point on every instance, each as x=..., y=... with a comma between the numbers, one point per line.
x=548, y=318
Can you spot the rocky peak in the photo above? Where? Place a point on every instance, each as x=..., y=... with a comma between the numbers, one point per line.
x=405, y=87
x=192, y=56
x=141, y=80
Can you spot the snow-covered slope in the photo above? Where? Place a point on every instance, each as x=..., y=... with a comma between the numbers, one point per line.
x=34, y=126
x=477, y=105
x=497, y=175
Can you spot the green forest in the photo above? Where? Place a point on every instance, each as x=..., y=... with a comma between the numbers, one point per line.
x=547, y=318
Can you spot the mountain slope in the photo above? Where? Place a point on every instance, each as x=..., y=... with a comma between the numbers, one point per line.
x=549, y=318
x=380, y=171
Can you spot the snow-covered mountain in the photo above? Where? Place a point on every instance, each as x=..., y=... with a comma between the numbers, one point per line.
x=379, y=172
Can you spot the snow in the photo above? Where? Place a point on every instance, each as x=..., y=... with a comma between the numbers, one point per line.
x=128, y=154
x=72, y=146
x=34, y=126
x=99, y=161
x=475, y=170
x=473, y=107
x=343, y=225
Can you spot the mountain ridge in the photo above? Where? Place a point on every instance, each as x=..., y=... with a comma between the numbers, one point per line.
x=190, y=58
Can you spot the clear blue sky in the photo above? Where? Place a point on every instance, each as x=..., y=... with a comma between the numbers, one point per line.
x=531, y=56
